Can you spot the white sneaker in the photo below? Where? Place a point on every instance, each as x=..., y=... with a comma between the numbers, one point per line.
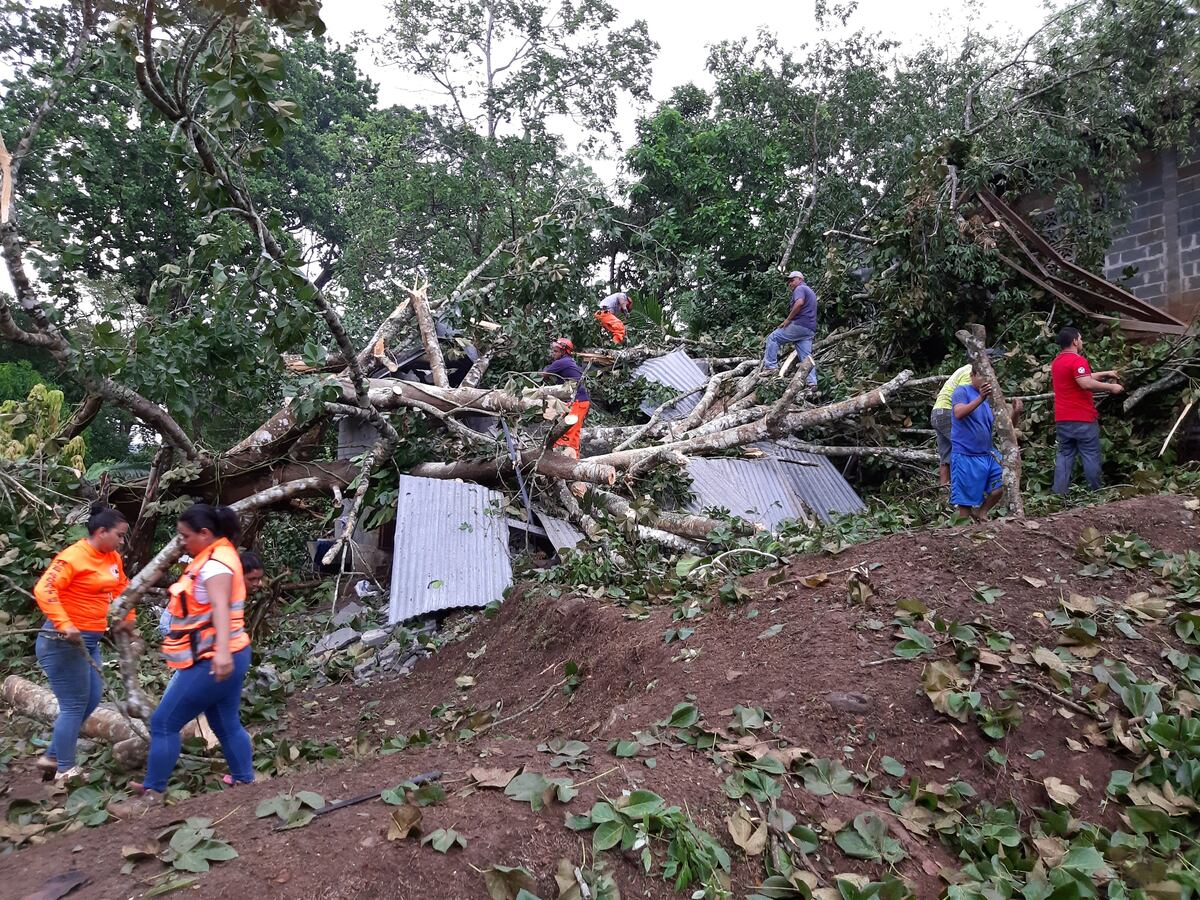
x=73, y=772
x=47, y=766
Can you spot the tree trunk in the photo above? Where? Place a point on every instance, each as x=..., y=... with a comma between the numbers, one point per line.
x=129, y=737
x=428, y=327
x=975, y=340
x=904, y=454
x=553, y=465
x=685, y=525
x=104, y=724
x=759, y=430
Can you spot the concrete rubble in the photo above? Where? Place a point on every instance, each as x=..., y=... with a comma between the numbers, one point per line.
x=373, y=651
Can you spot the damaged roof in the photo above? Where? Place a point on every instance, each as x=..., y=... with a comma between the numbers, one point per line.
x=680, y=373
x=816, y=481
x=451, y=547
x=784, y=485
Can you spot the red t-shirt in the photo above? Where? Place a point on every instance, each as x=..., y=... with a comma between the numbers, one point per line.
x=1071, y=402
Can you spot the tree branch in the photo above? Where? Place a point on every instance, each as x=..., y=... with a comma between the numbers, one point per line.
x=975, y=340
x=429, y=337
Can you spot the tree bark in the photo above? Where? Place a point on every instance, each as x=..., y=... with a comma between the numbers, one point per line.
x=715, y=385
x=553, y=465
x=759, y=430
x=387, y=393
x=1173, y=379
x=904, y=454
x=684, y=525
x=129, y=743
x=428, y=327
x=480, y=366
x=776, y=412
x=975, y=340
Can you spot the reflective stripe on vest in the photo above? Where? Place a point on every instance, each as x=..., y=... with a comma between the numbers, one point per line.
x=192, y=636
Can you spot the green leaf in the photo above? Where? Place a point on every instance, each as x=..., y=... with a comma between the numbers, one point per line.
x=508, y=882
x=1085, y=860
x=893, y=767
x=603, y=812
x=642, y=803
x=1148, y=820
x=190, y=861
x=444, y=839
x=624, y=749
x=684, y=715
x=915, y=643
x=607, y=836
x=824, y=777
x=396, y=796
x=868, y=838
x=428, y=794
x=579, y=823
x=310, y=799
x=771, y=632
x=528, y=787
x=170, y=886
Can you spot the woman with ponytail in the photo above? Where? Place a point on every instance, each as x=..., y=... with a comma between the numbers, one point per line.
x=205, y=642
x=75, y=593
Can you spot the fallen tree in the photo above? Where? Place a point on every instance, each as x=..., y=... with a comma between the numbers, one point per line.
x=128, y=737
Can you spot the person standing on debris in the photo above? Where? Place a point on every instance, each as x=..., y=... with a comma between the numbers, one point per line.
x=209, y=650
x=798, y=328
x=619, y=302
x=976, y=479
x=75, y=593
x=942, y=416
x=1075, y=418
x=564, y=368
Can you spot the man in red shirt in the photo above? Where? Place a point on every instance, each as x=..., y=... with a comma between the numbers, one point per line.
x=1075, y=415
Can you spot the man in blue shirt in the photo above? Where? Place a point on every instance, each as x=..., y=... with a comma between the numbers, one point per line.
x=976, y=479
x=798, y=328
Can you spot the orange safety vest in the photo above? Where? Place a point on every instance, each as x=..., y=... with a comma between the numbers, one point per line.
x=192, y=636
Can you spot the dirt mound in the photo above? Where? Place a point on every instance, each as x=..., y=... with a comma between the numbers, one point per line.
x=814, y=655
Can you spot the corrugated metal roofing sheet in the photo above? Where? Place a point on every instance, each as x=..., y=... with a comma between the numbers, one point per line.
x=679, y=372
x=755, y=490
x=785, y=485
x=451, y=548
x=819, y=484
x=561, y=533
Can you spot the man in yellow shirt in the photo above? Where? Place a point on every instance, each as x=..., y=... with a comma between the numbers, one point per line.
x=942, y=415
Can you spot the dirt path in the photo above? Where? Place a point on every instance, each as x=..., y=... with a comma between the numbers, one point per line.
x=800, y=653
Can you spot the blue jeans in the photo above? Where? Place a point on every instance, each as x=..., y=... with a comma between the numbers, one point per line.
x=193, y=691
x=801, y=336
x=1077, y=439
x=76, y=685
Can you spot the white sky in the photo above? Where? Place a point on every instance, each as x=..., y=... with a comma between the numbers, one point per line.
x=684, y=29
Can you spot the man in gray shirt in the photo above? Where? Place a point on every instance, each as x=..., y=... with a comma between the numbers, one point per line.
x=798, y=328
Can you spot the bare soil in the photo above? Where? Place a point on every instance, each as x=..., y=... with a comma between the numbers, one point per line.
x=814, y=676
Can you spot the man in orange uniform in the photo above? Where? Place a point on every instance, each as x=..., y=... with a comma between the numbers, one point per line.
x=619, y=302
x=75, y=593
x=564, y=368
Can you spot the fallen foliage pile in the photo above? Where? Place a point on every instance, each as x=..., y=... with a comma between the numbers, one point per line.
x=999, y=710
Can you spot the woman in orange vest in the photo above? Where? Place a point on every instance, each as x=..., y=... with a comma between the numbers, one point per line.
x=75, y=593
x=207, y=646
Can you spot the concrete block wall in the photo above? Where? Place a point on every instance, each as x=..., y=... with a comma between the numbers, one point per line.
x=1142, y=243
x=1161, y=239
x=1189, y=233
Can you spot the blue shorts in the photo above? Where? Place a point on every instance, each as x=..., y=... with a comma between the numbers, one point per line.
x=972, y=478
